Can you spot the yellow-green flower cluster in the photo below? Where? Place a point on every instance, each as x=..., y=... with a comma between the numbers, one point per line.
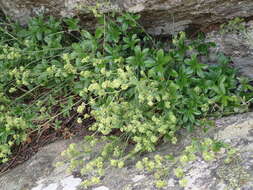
x=85, y=59
x=90, y=182
x=129, y=119
x=117, y=163
x=81, y=108
x=109, y=85
x=231, y=154
x=155, y=166
x=72, y=151
x=208, y=153
x=11, y=125
x=95, y=166
x=95, y=169
x=21, y=75
x=5, y=151
x=160, y=183
x=150, y=165
x=179, y=172
x=183, y=182
x=10, y=53
x=69, y=68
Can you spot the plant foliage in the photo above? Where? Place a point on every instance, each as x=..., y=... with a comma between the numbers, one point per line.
x=138, y=93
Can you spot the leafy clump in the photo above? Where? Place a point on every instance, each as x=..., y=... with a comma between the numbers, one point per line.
x=147, y=94
x=138, y=93
x=29, y=91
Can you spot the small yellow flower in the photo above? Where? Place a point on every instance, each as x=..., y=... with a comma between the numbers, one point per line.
x=139, y=165
x=95, y=180
x=11, y=90
x=183, y=182
x=179, y=172
x=160, y=184
x=81, y=108
x=79, y=120
x=120, y=164
x=114, y=162
x=85, y=59
x=208, y=156
x=184, y=159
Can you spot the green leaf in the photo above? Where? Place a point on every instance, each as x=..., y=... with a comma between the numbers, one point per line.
x=99, y=32
x=72, y=23
x=86, y=34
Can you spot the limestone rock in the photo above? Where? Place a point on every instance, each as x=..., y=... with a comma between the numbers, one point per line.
x=158, y=16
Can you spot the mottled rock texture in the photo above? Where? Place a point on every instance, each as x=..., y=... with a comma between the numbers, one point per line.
x=238, y=45
x=159, y=16
x=39, y=171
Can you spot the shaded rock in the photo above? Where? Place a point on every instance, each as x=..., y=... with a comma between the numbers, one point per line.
x=245, y=65
x=40, y=174
x=238, y=45
x=159, y=16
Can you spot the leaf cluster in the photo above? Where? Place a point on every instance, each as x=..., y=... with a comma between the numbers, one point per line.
x=53, y=69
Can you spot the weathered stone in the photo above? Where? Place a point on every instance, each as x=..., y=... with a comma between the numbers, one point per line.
x=159, y=16
x=245, y=65
x=40, y=174
x=238, y=45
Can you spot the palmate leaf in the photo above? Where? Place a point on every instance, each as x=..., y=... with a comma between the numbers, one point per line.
x=196, y=67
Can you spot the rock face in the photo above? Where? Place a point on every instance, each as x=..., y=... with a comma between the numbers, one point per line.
x=40, y=174
x=159, y=16
x=238, y=45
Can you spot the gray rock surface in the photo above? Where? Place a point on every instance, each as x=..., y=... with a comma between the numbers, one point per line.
x=238, y=45
x=159, y=16
x=40, y=174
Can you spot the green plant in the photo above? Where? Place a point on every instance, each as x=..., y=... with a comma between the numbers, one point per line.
x=161, y=166
x=26, y=57
x=138, y=93
x=148, y=94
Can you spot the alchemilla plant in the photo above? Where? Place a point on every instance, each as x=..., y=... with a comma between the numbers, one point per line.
x=146, y=94
x=138, y=93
